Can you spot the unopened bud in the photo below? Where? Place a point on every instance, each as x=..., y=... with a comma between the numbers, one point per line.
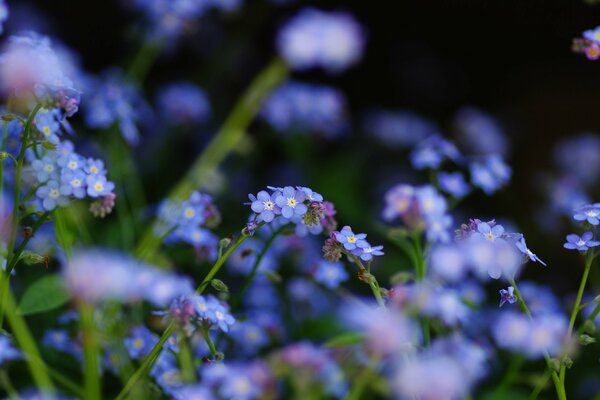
x=273, y=277
x=584, y=340
x=567, y=361
x=30, y=258
x=48, y=146
x=27, y=232
x=9, y=117
x=589, y=326
x=554, y=364
x=219, y=356
x=219, y=285
x=3, y=155
x=224, y=243
x=401, y=278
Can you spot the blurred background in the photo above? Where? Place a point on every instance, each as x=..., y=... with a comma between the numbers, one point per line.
x=510, y=59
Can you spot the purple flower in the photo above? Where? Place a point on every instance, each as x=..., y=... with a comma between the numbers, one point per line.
x=291, y=202
x=454, y=184
x=589, y=213
x=264, y=205
x=582, y=243
x=507, y=295
x=521, y=245
x=349, y=240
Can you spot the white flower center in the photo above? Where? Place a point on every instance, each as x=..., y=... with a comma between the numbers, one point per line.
x=72, y=165
x=591, y=213
x=219, y=315
x=76, y=183
x=49, y=167
x=268, y=205
x=54, y=193
x=581, y=242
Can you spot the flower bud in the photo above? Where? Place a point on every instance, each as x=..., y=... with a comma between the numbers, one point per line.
x=589, y=326
x=584, y=340
x=224, y=243
x=219, y=285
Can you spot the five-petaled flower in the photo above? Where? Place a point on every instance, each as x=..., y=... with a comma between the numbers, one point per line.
x=507, y=295
x=589, y=213
x=582, y=243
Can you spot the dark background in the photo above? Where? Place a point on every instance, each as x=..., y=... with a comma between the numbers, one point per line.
x=510, y=58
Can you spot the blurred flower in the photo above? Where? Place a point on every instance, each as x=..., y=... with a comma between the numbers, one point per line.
x=314, y=38
x=30, y=68
x=330, y=274
x=581, y=243
x=7, y=350
x=579, y=157
x=491, y=174
x=306, y=108
x=183, y=103
x=140, y=342
x=3, y=14
x=398, y=129
x=431, y=152
x=480, y=133
x=589, y=213
x=100, y=275
x=454, y=184
x=110, y=100
x=522, y=246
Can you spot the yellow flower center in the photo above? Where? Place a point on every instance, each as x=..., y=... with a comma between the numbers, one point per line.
x=93, y=169
x=291, y=202
x=98, y=186
x=591, y=213
x=352, y=239
x=46, y=131
x=138, y=343
x=189, y=212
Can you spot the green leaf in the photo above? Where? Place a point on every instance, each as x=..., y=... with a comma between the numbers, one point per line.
x=345, y=339
x=45, y=294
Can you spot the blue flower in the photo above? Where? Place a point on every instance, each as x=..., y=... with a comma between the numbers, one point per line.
x=291, y=202
x=314, y=38
x=73, y=183
x=521, y=245
x=7, y=350
x=589, y=213
x=223, y=319
x=98, y=186
x=593, y=35
x=349, y=240
x=437, y=228
x=507, y=295
x=297, y=107
x=398, y=129
x=480, y=132
x=491, y=174
x=330, y=274
x=368, y=252
x=51, y=196
x=3, y=14
x=582, y=243
x=183, y=103
x=431, y=152
x=488, y=232
x=431, y=203
x=46, y=168
x=454, y=184
x=265, y=205
x=140, y=342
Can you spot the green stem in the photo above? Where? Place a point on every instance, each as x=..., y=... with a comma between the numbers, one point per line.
x=26, y=342
x=20, y=162
x=7, y=385
x=143, y=60
x=591, y=317
x=238, y=298
x=186, y=360
x=509, y=377
x=66, y=382
x=540, y=386
x=558, y=385
x=90, y=347
x=154, y=353
x=209, y=342
x=588, y=264
x=372, y=281
x=224, y=142
x=3, y=148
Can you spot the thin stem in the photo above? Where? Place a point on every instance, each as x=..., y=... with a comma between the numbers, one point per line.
x=509, y=377
x=186, y=360
x=209, y=342
x=238, y=298
x=66, y=382
x=588, y=264
x=225, y=141
x=90, y=356
x=371, y=280
x=558, y=385
x=156, y=350
x=143, y=60
x=7, y=385
x=540, y=386
x=26, y=342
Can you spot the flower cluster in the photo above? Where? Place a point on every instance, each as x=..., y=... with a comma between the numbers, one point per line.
x=329, y=40
x=205, y=311
x=589, y=44
x=300, y=206
x=588, y=214
x=96, y=276
x=30, y=69
x=419, y=208
x=167, y=19
x=188, y=221
x=302, y=107
x=518, y=333
x=347, y=241
x=111, y=99
x=62, y=174
x=183, y=103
